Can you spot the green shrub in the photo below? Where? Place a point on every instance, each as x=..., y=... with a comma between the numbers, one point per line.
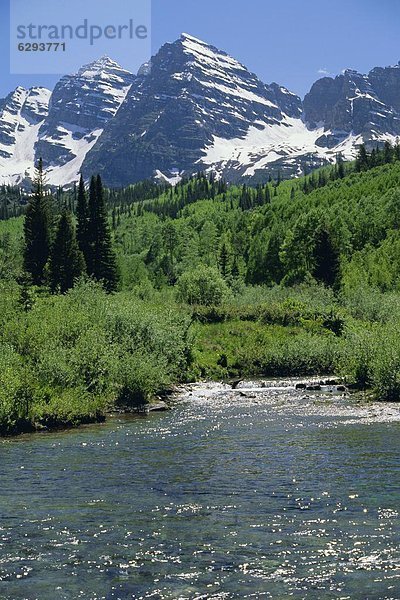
x=371, y=359
x=204, y=286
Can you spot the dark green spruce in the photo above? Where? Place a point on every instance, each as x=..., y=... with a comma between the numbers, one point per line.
x=101, y=261
x=326, y=258
x=37, y=229
x=82, y=216
x=67, y=263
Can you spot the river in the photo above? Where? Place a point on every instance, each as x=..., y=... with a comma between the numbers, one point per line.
x=253, y=493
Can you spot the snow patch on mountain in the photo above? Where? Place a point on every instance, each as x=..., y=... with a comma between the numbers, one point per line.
x=69, y=172
x=173, y=179
x=209, y=56
x=21, y=117
x=265, y=144
x=239, y=92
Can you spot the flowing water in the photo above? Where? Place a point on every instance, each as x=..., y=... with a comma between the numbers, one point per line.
x=270, y=493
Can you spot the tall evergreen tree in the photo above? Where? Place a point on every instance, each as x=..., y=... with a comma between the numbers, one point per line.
x=91, y=226
x=225, y=258
x=101, y=261
x=82, y=215
x=388, y=153
x=373, y=159
x=26, y=294
x=245, y=201
x=66, y=259
x=362, y=160
x=340, y=166
x=321, y=179
x=260, y=198
x=326, y=258
x=37, y=232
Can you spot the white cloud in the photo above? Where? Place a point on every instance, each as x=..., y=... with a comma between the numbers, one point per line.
x=323, y=71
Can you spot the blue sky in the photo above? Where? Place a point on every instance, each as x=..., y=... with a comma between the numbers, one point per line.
x=292, y=42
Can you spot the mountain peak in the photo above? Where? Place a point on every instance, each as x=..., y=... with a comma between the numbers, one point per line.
x=352, y=73
x=191, y=38
x=98, y=66
x=208, y=56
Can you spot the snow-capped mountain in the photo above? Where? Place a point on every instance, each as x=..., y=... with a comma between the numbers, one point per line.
x=21, y=115
x=192, y=107
x=80, y=107
x=354, y=106
x=196, y=108
x=61, y=126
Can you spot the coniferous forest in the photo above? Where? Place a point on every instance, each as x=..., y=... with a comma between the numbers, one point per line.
x=109, y=297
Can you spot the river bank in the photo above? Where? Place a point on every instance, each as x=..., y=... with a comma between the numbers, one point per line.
x=306, y=392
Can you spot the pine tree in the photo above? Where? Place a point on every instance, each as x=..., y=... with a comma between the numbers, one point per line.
x=235, y=268
x=260, y=198
x=37, y=229
x=388, y=153
x=267, y=195
x=362, y=160
x=66, y=259
x=82, y=215
x=225, y=258
x=102, y=261
x=245, y=202
x=114, y=218
x=397, y=151
x=91, y=226
x=326, y=259
x=373, y=160
x=26, y=295
x=340, y=166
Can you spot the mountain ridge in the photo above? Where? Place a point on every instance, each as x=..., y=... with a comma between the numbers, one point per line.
x=191, y=107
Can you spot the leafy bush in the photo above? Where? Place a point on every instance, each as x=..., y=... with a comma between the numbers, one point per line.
x=356, y=362
x=13, y=405
x=371, y=359
x=204, y=286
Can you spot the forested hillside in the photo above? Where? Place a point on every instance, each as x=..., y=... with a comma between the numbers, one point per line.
x=328, y=226
x=152, y=285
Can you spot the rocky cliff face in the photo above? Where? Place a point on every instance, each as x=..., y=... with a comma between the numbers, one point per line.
x=386, y=83
x=192, y=107
x=355, y=106
x=80, y=107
